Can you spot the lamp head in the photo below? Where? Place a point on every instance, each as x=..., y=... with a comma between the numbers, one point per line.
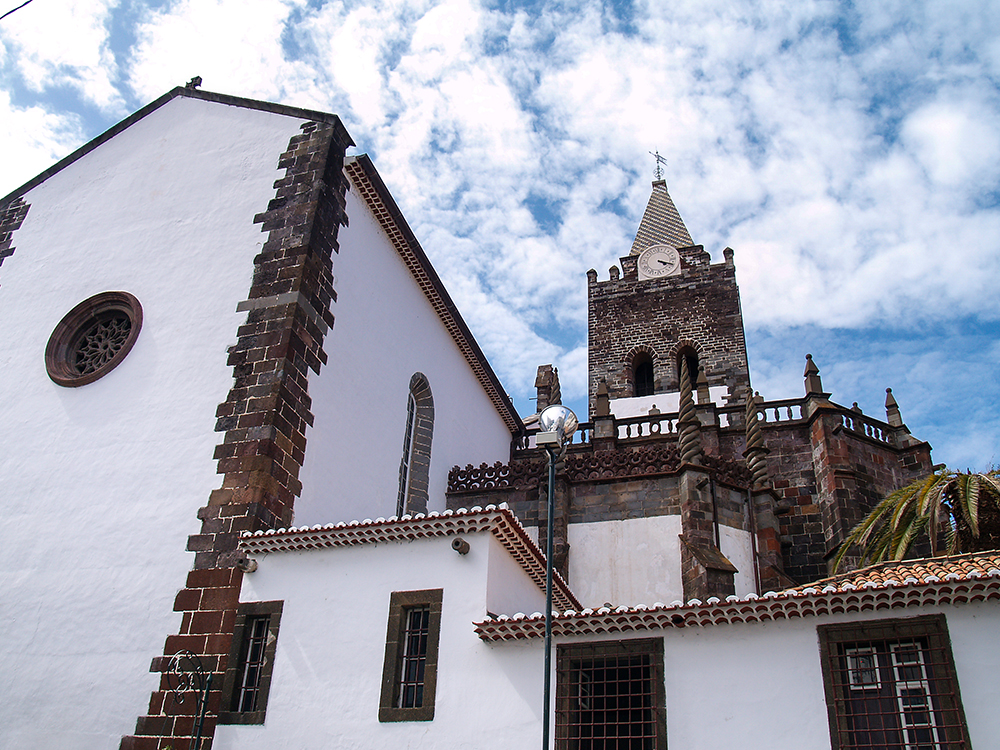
x=558, y=419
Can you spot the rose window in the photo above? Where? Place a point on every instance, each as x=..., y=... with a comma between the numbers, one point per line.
x=93, y=338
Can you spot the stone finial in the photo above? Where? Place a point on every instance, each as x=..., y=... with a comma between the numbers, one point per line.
x=892, y=415
x=653, y=411
x=703, y=395
x=547, y=387
x=728, y=255
x=614, y=272
x=591, y=276
x=856, y=408
x=193, y=83
x=814, y=385
x=755, y=451
x=687, y=421
x=602, y=401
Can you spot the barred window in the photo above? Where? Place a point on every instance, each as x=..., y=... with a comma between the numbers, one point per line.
x=891, y=684
x=248, y=673
x=610, y=696
x=409, y=673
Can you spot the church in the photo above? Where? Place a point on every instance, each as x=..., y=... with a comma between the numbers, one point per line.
x=264, y=489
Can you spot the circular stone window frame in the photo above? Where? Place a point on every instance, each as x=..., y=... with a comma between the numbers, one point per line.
x=60, y=352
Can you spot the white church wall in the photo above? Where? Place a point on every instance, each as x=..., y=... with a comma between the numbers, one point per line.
x=331, y=645
x=508, y=589
x=973, y=629
x=634, y=561
x=385, y=331
x=101, y=483
x=735, y=544
x=762, y=683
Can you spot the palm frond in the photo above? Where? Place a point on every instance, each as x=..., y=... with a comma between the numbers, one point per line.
x=945, y=506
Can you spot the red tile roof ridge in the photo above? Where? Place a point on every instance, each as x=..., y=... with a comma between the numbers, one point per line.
x=498, y=519
x=980, y=583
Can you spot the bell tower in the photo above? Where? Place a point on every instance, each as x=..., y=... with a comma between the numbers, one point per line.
x=667, y=303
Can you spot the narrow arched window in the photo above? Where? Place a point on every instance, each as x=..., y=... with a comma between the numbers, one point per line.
x=642, y=368
x=414, y=467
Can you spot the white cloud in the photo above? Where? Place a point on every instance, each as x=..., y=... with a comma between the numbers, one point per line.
x=234, y=45
x=65, y=44
x=849, y=154
x=41, y=137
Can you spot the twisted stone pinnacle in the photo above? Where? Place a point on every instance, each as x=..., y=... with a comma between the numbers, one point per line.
x=755, y=441
x=690, y=429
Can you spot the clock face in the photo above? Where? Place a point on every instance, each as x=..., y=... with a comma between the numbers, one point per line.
x=658, y=261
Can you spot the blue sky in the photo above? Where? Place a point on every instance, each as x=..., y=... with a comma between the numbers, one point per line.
x=848, y=152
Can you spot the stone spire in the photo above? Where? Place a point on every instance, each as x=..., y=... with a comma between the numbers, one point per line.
x=755, y=451
x=892, y=415
x=661, y=224
x=687, y=422
x=814, y=385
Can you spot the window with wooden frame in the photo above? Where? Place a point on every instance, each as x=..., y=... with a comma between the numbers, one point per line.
x=409, y=673
x=610, y=696
x=891, y=684
x=247, y=681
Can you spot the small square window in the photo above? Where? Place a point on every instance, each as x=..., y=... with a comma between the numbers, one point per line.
x=409, y=674
x=248, y=672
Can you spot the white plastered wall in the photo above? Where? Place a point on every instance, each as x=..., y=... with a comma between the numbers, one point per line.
x=101, y=484
x=735, y=544
x=385, y=331
x=638, y=561
x=756, y=686
x=628, y=562
x=760, y=686
x=331, y=645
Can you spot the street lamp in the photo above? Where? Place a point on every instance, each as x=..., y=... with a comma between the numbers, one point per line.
x=558, y=425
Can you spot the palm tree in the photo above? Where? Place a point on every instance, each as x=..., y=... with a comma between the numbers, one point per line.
x=956, y=511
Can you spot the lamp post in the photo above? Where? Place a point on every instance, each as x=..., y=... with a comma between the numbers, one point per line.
x=558, y=425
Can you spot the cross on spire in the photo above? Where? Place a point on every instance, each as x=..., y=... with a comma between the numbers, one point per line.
x=659, y=160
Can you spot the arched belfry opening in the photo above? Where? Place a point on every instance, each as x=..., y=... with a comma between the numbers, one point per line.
x=687, y=355
x=642, y=369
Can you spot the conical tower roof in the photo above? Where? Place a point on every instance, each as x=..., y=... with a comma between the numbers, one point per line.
x=661, y=224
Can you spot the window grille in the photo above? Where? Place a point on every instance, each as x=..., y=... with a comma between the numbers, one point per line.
x=409, y=672
x=247, y=680
x=252, y=663
x=610, y=696
x=411, y=687
x=891, y=685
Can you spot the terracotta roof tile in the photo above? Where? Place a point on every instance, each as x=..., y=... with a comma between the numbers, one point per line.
x=930, y=569
x=916, y=583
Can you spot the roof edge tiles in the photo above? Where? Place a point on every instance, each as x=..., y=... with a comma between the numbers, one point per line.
x=498, y=520
x=977, y=580
x=369, y=184
x=661, y=222
x=191, y=93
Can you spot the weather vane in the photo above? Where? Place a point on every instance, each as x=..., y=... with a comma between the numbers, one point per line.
x=659, y=160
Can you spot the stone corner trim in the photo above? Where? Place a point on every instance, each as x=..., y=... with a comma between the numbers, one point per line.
x=264, y=417
x=11, y=217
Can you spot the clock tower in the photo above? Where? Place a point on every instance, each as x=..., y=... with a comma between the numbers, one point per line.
x=667, y=304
